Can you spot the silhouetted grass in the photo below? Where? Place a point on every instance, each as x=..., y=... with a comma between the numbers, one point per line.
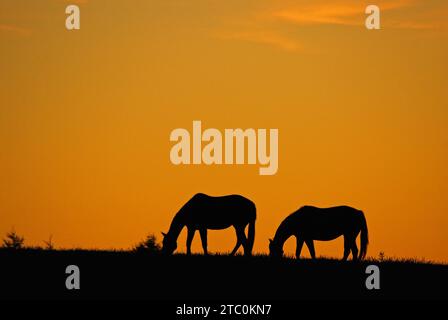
x=257, y=256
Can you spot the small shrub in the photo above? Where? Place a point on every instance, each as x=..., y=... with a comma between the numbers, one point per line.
x=13, y=241
x=49, y=244
x=148, y=245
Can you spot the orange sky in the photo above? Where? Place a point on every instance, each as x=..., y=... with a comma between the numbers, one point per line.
x=85, y=116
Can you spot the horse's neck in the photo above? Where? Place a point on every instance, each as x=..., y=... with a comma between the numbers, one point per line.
x=283, y=233
x=176, y=226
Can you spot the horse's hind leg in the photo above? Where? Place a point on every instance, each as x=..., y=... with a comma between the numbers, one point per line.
x=203, y=233
x=240, y=240
x=245, y=242
x=299, y=247
x=354, y=249
x=237, y=246
x=190, y=236
x=310, y=245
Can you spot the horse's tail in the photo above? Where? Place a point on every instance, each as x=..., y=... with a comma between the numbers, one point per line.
x=364, y=237
x=251, y=234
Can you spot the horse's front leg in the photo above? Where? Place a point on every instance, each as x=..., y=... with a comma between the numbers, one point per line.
x=310, y=245
x=346, y=248
x=203, y=233
x=190, y=236
x=299, y=247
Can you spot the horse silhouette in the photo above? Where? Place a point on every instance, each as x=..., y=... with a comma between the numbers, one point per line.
x=203, y=212
x=312, y=223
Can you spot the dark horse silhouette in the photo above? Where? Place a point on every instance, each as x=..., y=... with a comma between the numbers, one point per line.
x=204, y=212
x=311, y=223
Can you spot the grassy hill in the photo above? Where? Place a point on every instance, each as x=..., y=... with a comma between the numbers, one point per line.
x=40, y=274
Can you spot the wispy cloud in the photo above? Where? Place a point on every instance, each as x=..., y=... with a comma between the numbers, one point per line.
x=266, y=25
x=313, y=15
x=13, y=29
x=350, y=13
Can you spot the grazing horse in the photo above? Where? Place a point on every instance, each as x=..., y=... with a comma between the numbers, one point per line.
x=204, y=212
x=311, y=223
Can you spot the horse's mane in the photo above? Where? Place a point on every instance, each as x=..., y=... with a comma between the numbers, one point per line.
x=284, y=226
x=178, y=219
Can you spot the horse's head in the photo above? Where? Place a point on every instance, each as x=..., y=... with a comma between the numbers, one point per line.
x=169, y=245
x=275, y=250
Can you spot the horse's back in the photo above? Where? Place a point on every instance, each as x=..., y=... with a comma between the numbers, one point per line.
x=220, y=211
x=332, y=214
x=326, y=223
x=228, y=201
x=335, y=211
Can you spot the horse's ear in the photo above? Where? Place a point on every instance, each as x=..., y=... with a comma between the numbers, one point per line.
x=163, y=234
